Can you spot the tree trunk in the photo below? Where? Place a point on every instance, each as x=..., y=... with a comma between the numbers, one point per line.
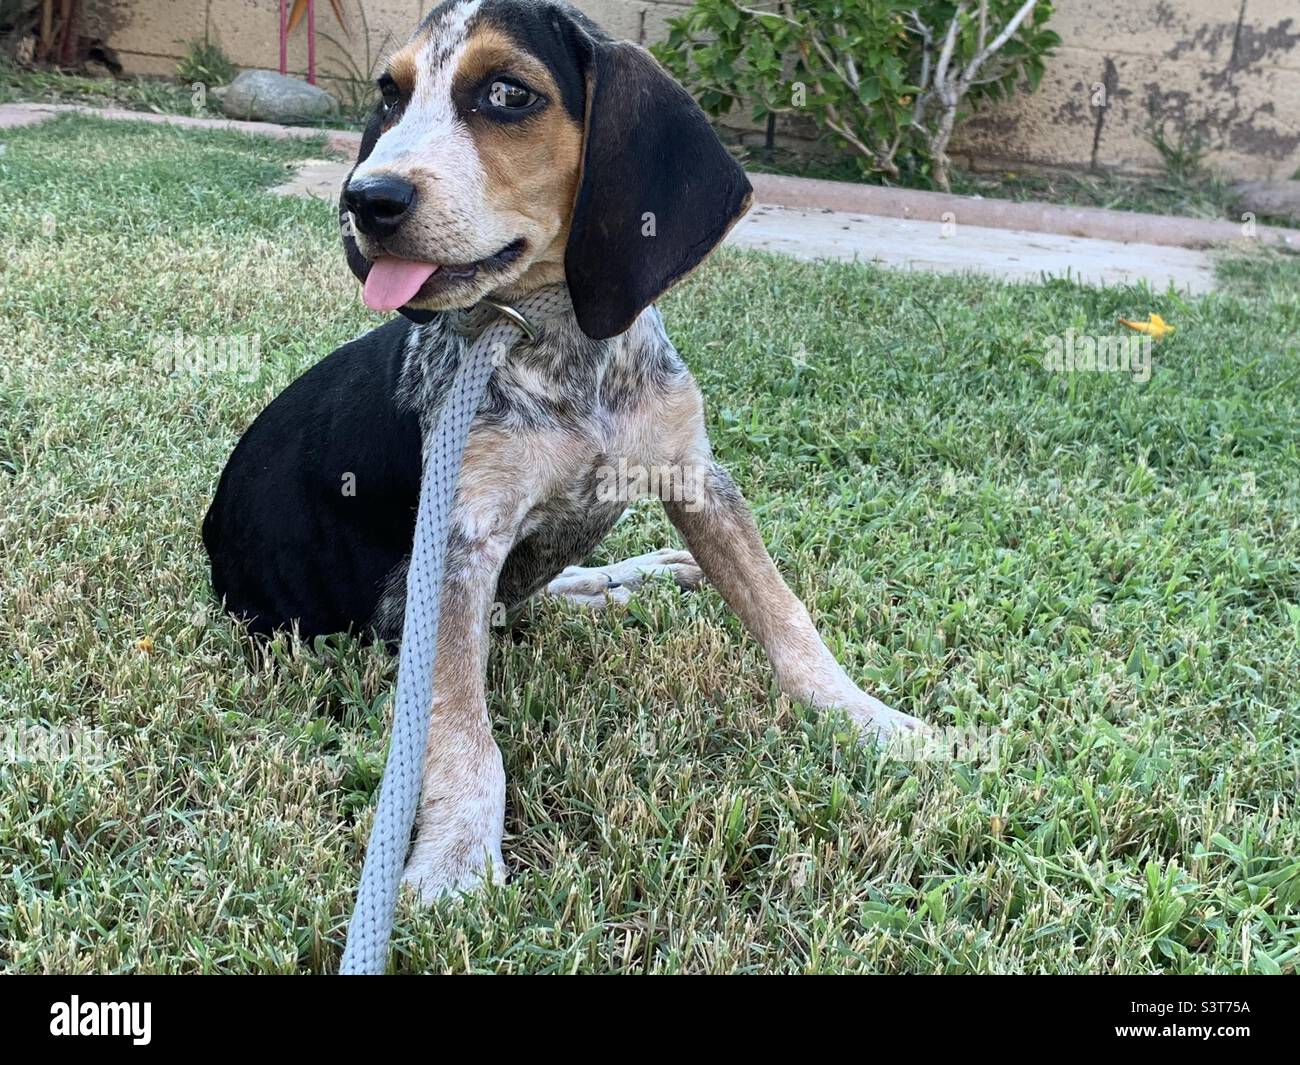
x=46, y=39
x=68, y=48
x=939, y=146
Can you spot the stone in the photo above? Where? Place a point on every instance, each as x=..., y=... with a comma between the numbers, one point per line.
x=270, y=97
x=1269, y=199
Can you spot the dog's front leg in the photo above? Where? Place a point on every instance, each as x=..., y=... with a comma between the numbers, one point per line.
x=462, y=804
x=719, y=530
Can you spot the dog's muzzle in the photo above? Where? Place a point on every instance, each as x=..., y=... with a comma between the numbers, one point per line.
x=379, y=204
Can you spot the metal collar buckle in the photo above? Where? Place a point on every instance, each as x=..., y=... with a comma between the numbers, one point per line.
x=506, y=311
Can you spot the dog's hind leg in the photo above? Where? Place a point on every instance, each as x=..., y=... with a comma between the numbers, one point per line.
x=598, y=586
x=720, y=531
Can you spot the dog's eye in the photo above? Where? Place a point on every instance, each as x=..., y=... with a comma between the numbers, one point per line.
x=509, y=96
x=389, y=91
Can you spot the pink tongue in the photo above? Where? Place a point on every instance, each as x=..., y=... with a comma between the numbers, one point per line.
x=393, y=283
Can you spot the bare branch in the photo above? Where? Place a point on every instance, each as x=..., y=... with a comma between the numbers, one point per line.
x=848, y=59
x=840, y=72
x=770, y=14
x=1008, y=31
x=922, y=29
x=949, y=43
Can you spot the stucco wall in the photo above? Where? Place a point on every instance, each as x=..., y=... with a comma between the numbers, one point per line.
x=1230, y=69
x=150, y=35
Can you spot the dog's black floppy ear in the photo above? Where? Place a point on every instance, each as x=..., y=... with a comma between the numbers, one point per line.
x=357, y=262
x=658, y=190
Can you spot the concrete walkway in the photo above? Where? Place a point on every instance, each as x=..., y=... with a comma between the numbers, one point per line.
x=1126, y=227
x=911, y=244
x=825, y=220
x=951, y=248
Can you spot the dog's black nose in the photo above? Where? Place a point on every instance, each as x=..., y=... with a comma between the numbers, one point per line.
x=379, y=203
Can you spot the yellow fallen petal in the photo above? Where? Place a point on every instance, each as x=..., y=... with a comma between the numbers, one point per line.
x=1155, y=326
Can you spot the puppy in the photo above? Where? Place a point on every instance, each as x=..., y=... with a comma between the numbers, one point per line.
x=516, y=147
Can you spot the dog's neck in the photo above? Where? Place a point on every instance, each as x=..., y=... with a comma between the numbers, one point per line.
x=530, y=310
x=434, y=348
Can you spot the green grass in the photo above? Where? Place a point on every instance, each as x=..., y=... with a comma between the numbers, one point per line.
x=1198, y=195
x=20, y=84
x=1105, y=570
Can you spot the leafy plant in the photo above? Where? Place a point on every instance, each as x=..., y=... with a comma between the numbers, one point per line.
x=983, y=52
x=18, y=19
x=205, y=61
x=888, y=78
x=355, y=79
x=53, y=28
x=1184, y=157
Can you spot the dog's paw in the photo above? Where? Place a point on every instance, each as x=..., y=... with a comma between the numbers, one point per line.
x=434, y=873
x=882, y=725
x=598, y=586
x=431, y=877
x=458, y=833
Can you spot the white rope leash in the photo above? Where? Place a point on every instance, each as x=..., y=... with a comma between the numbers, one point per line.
x=366, y=952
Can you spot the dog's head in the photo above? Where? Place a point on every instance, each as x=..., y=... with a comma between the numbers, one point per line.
x=517, y=145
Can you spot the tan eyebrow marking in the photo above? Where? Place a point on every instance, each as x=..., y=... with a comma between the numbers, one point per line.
x=401, y=67
x=489, y=50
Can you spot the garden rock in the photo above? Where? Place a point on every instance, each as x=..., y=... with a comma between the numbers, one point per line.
x=271, y=97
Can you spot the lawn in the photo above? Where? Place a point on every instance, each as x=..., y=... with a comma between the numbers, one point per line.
x=1108, y=571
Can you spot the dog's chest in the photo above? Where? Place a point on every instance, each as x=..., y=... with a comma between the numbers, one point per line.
x=571, y=431
x=570, y=425
x=587, y=448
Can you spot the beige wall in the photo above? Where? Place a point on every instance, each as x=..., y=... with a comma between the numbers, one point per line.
x=1228, y=68
x=150, y=35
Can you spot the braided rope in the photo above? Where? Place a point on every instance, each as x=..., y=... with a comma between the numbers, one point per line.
x=366, y=952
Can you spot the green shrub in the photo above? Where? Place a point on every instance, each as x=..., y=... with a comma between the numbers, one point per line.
x=888, y=79
x=205, y=62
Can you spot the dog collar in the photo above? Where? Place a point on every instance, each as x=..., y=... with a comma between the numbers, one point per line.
x=528, y=312
x=516, y=316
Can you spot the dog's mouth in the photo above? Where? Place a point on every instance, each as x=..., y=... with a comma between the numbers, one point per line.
x=392, y=282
